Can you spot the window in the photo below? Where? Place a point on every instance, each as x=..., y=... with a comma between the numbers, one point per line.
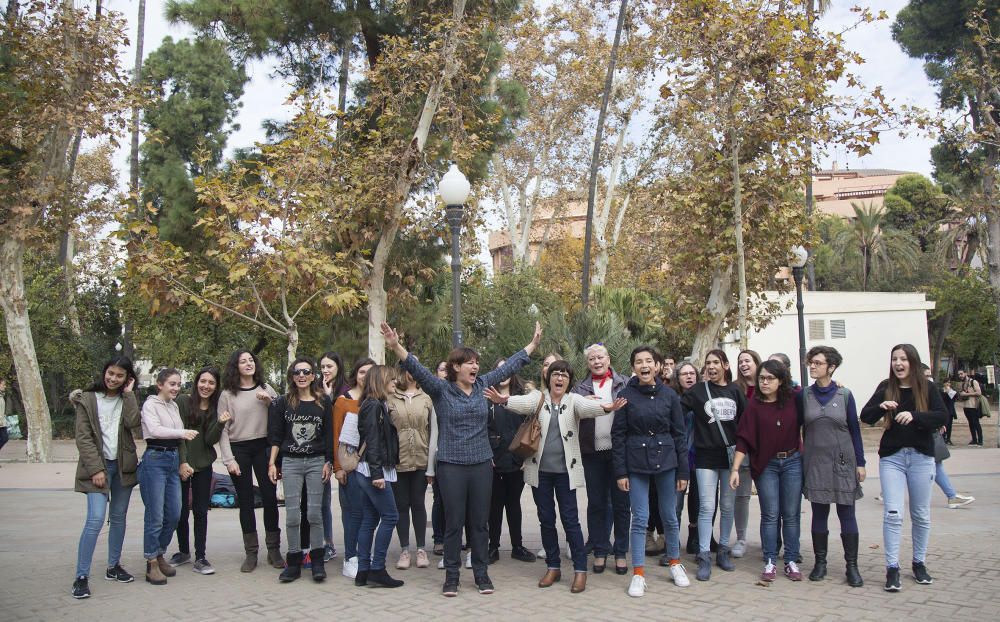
x=838, y=329
x=817, y=330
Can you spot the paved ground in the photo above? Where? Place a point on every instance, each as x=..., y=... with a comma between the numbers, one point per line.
x=40, y=521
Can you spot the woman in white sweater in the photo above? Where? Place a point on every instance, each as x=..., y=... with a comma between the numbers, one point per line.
x=556, y=470
x=159, y=477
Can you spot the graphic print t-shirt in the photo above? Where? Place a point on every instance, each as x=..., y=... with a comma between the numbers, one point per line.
x=726, y=403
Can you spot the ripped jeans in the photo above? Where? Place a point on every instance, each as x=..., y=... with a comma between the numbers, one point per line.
x=906, y=473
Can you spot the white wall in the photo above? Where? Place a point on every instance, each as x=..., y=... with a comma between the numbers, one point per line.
x=873, y=323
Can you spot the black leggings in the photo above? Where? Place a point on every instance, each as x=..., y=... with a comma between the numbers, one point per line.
x=507, y=488
x=199, y=487
x=821, y=515
x=975, y=428
x=252, y=457
x=410, y=491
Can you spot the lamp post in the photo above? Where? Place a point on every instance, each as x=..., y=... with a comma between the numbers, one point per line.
x=797, y=259
x=454, y=190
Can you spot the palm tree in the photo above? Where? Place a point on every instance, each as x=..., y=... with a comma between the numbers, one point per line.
x=881, y=249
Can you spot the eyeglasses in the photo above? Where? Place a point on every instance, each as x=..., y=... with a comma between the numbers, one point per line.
x=560, y=374
x=817, y=364
x=302, y=372
x=763, y=378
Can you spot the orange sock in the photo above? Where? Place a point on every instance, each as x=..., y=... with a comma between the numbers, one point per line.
x=674, y=562
x=638, y=570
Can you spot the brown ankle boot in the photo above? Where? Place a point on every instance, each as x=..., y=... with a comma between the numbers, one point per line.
x=250, y=546
x=153, y=574
x=165, y=568
x=272, y=540
x=551, y=576
x=579, y=582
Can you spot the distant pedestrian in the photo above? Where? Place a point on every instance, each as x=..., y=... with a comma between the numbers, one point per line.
x=107, y=422
x=955, y=499
x=911, y=412
x=969, y=394
x=4, y=437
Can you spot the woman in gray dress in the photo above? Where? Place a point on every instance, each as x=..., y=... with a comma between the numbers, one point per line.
x=833, y=460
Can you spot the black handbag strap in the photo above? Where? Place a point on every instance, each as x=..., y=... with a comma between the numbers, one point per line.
x=715, y=415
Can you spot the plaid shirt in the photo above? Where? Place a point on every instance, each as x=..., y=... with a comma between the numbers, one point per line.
x=462, y=436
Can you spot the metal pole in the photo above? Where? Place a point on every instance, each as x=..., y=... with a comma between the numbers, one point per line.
x=797, y=275
x=455, y=221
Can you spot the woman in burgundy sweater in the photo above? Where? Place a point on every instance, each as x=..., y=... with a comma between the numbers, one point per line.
x=770, y=432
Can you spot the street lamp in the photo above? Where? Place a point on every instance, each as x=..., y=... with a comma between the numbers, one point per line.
x=454, y=190
x=797, y=259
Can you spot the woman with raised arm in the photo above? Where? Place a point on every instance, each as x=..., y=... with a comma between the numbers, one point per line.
x=246, y=397
x=649, y=447
x=911, y=412
x=464, y=457
x=199, y=412
x=556, y=470
x=159, y=473
x=107, y=422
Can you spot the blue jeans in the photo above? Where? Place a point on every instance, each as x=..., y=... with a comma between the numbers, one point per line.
x=554, y=488
x=351, y=505
x=602, y=493
x=779, y=490
x=97, y=506
x=943, y=481
x=160, y=488
x=666, y=495
x=906, y=473
x=378, y=508
x=708, y=482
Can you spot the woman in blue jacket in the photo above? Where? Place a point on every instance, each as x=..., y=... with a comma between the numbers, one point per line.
x=649, y=447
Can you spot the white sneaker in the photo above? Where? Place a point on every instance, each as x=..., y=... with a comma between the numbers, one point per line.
x=679, y=575
x=637, y=587
x=350, y=567
x=441, y=564
x=540, y=554
x=468, y=559
x=740, y=548
x=960, y=500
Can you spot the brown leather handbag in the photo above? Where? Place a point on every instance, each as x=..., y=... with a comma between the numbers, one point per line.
x=528, y=438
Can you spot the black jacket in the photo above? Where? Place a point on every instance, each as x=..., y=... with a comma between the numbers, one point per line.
x=649, y=434
x=379, y=436
x=918, y=434
x=503, y=425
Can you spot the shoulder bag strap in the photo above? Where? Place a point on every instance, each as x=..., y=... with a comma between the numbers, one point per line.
x=722, y=431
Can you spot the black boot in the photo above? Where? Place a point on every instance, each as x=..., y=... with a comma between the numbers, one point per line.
x=293, y=568
x=361, y=579
x=381, y=578
x=850, y=541
x=819, y=551
x=318, y=565
x=692, y=543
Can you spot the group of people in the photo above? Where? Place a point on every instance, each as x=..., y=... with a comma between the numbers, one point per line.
x=639, y=444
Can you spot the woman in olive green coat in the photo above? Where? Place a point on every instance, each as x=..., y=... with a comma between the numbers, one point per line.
x=107, y=421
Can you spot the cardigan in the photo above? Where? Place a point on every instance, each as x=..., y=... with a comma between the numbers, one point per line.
x=199, y=452
x=588, y=427
x=572, y=408
x=90, y=441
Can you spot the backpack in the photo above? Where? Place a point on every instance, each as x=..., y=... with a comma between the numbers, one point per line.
x=223, y=500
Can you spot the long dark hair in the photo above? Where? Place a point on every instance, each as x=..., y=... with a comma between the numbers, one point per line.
x=916, y=380
x=117, y=360
x=727, y=372
x=339, y=379
x=352, y=379
x=292, y=395
x=194, y=413
x=516, y=386
x=231, y=373
x=779, y=371
x=756, y=363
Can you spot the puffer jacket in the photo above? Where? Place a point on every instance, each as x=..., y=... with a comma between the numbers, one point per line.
x=379, y=437
x=412, y=418
x=90, y=441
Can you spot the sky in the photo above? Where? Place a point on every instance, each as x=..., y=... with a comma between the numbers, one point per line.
x=902, y=79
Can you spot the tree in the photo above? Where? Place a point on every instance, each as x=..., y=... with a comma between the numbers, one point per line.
x=42, y=103
x=915, y=205
x=194, y=90
x=267, y=229
x=961, y=55
x=880, y=247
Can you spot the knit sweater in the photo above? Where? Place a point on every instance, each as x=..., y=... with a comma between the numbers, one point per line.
x=919, y=433
x=249, y=418
x=344, y=404
x=199, y=452
x=161, y=419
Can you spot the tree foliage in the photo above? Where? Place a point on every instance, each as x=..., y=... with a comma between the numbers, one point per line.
x=915, y=205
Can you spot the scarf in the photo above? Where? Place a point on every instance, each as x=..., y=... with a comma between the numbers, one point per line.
x=603, y=378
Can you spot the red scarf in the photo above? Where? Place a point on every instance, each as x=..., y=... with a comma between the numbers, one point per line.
x=603, y=378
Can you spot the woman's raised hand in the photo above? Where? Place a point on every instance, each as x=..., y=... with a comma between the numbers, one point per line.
x=392, y=340
x=535, y=339
x=615, y=405
x=495, y=396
